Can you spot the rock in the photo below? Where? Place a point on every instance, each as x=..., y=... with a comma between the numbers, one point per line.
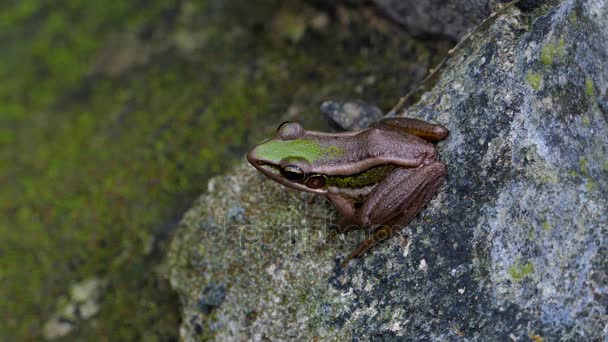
x=445, y=18
x=353, y=114
x=82, y=304
x=512, y=247
x=451, y=18
x=56, y=328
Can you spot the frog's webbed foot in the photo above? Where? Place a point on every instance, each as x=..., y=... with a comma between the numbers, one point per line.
x=422, y=129
x=381, y=233
x=396, y=201
x=343, y=226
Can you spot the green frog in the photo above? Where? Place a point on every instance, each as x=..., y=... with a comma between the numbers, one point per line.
x=378, y=178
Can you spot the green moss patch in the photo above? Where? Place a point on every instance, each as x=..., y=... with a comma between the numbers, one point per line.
x=520, y=271
x=547, y=53
x=534, y=79
x=589, y=86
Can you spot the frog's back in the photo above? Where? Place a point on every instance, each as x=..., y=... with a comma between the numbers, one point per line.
x=373, y=147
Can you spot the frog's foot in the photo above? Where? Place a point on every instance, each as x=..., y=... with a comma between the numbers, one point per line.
x=381, y=233
x=343, y=226
x=396, y=202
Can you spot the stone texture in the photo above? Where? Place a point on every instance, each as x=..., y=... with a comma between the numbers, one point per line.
x=445, y=18
x=512, y=247
x=451, y=18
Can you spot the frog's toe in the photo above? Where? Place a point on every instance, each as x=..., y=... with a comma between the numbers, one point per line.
x=378, y=235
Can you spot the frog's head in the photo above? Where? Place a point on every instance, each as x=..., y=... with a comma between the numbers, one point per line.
x=288, y=157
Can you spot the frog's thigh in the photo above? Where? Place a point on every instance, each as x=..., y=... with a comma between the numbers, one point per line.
x=401, y=195
x=422, y=129
x=396, y=201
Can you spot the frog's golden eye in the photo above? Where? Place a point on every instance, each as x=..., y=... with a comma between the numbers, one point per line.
x=293, y=173
x=283, y=124
x=316, y=181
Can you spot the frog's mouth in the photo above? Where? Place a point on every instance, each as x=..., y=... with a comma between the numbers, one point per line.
x=273, y=172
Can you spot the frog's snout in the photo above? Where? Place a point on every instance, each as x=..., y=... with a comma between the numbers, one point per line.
x=251, y=157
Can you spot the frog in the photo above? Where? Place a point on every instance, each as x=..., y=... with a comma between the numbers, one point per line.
x=378, y=178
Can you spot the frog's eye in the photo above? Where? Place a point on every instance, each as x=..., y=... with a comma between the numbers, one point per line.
x=283, y=124
x=316, y=181
x=293, y=173
x=289, y=130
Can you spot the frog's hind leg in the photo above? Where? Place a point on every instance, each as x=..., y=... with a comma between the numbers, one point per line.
x=396, y=201
x=422, y=129
x=381, y=233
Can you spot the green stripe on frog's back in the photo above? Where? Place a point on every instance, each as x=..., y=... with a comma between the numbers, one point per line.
x=360, y=180
x=310, y=150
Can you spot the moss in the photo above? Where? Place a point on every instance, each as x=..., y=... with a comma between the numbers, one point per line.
x=546, y=226
x=550, y=178
x=291, y=25
x=583, y=165
x=590, y=185
x=520, y=271
x=589, y=86
x=534, y=80
x=547, y=53
x=536, y=338
x=573, y=18
x=586, y=120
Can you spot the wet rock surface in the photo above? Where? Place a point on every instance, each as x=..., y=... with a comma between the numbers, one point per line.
x=512, y=247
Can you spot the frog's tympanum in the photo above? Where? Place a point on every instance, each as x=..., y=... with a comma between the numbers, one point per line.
x=378, y=178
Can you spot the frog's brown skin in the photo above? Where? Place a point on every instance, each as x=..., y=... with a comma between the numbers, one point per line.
x=378, y=178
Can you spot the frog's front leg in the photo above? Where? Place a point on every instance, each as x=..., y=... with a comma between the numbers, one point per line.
x=348, y=220
x=396, y=201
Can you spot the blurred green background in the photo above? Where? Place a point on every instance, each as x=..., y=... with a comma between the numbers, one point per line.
x=113, y=116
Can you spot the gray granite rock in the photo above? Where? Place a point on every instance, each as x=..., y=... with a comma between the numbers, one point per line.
x=512, y=247
x=351, y=115
x=451, y=18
